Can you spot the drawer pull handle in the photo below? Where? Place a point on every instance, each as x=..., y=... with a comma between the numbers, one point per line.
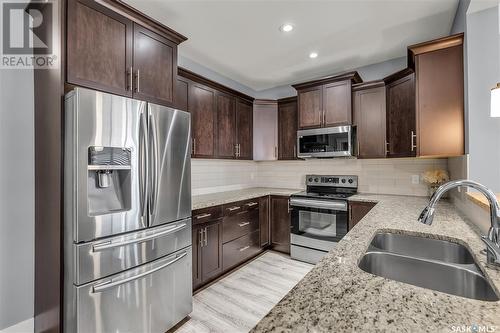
x=244, y=248
x=243, y=224
x=251, y=204
x=231, y=209
x=202, y=216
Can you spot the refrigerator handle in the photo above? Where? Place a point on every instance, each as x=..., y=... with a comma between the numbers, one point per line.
x=143, y=160
x=154, y=164
x=111, y=284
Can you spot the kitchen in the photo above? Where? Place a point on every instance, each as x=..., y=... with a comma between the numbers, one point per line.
x=188, y=179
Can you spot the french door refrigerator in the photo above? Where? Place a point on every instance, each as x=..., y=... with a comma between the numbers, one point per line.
x=127, y=208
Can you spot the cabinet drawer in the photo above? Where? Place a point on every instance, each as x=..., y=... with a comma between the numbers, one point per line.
x=240, y=206
x=240, y=249
x=206, y=214
x=239, y=224
x=250, y=204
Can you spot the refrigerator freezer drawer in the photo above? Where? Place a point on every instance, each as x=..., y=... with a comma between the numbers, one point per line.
x=109, y=256
x=151, y=298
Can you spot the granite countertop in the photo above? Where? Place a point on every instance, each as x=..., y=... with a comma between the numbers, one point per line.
x=220, y=198
x=480, y=199
x=337, y=296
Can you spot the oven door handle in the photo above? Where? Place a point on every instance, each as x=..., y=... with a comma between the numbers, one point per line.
x=308, y=203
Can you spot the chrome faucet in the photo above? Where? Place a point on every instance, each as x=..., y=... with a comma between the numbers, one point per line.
x=492, y=240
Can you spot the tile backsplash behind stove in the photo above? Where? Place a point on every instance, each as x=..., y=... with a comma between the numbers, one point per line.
x=380, y=176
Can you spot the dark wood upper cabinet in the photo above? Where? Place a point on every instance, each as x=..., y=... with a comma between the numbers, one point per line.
x=287, y=128
x=99, y=48
x=244, y=129
x=439, y=93
x=358, y=210
x=111, y=48
x=203, y=117
x=310, y=101
x=221, y=118
x=181, y=96
x=155, y=67
x=280, y=224
x=369, y=118
x=326, y=102
x=226, y=122
x=400, y=119
x=337, y=106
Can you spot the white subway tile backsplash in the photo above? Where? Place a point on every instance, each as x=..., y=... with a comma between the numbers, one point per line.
x=382, y=176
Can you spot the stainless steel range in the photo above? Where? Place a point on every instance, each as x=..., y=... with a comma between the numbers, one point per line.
x=320, y=215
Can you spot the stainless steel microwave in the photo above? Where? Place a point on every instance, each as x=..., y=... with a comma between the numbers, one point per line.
x=325, y=142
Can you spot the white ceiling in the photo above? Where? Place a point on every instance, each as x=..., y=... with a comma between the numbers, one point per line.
x=241, y=39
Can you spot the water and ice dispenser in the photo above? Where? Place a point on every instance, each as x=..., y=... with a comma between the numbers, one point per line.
x=109, y=180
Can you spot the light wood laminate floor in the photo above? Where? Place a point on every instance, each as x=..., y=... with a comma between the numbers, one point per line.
x=240, y=300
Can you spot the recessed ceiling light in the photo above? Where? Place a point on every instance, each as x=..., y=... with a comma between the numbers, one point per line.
x=287, y=27
x=313, y=55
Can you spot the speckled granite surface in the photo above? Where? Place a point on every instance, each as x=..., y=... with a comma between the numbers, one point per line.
x=220, y=198
x=337, y=296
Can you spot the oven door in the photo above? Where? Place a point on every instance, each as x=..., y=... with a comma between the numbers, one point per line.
x=318, y=224
x=325, y=142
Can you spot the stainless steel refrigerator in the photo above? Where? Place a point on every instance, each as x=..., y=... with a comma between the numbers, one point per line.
x=127, y=208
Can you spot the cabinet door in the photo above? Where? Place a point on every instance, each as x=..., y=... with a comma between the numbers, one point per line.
x=440, y=102
x=99, y=48
x=280, y=224
x=337, y=106
x=197, y=242
x=310, y=107
x=264, y=225
x=202, y=109
x=155, y=66
x=401, y=117
x=358, y=210
x=287, y=130
x=369, y=111
x=211, y=251
x=244, y=129
x=226, y=125
x=181, y=95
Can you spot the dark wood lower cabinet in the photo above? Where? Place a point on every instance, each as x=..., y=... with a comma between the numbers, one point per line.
x=280, y=224
x=207, y=252
x=264, y=225
x=358, y=210
x=239, y=250
x=226, y=236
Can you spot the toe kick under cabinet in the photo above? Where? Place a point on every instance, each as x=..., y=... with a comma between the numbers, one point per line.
x=225, y=236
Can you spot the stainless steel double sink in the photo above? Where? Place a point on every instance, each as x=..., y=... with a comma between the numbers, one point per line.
x=430, y=263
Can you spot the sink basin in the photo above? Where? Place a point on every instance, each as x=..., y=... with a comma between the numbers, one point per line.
x=434, y=264
x=421, y=247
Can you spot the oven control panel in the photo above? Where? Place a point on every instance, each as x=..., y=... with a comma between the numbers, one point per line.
x=332, y=181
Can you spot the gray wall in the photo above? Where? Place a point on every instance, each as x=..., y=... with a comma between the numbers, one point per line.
x=17, y=184
x=460, y=21
x=214, y=76
x=483, y=53
x=368, y=73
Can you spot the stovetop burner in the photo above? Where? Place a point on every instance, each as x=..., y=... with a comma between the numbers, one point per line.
x=324, y=195
x=330, y=187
